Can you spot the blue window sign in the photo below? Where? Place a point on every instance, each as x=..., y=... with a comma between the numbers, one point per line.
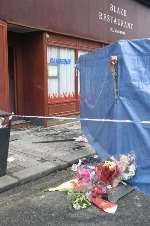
x=59, y=61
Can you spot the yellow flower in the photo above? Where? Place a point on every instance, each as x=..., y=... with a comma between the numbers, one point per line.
x=108, y=164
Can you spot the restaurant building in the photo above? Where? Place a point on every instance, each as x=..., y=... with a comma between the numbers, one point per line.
x=40, y=42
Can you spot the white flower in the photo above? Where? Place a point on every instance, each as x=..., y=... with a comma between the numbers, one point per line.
x=76, y=206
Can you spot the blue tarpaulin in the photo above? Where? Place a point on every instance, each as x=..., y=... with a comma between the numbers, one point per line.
x=127, y=97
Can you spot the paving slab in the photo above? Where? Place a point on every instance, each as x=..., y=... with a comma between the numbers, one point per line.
x=29, y=160
x=33, y=173
x=7, y=182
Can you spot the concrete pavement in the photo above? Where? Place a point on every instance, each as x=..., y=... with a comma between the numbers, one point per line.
x=36, y=152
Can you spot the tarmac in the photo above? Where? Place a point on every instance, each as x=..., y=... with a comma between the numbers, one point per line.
x=36, y=152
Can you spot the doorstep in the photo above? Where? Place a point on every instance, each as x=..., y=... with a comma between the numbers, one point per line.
x=20, y=124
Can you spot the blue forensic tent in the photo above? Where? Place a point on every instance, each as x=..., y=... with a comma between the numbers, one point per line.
x=126, y=96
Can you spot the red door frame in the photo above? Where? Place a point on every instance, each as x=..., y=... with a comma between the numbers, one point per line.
x=4, y=80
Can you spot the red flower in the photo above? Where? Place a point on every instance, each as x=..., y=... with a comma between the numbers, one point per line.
x=107, y=173
x=113, y=60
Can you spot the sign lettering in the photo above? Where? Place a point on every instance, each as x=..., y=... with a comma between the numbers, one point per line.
x=59, y=61
x=117, y=18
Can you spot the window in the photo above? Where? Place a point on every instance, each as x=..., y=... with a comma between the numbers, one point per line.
x=61, y=66
x=80, y=53
x=52, y=70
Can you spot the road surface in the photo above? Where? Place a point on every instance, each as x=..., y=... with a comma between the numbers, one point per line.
x=30, y=205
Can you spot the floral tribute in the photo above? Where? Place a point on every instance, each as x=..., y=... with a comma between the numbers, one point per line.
x=113, y=61
x=94, y=181
x=4, y=122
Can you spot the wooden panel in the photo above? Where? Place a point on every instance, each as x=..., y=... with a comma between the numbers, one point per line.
x=15, y=41
x=35, y=74
x=60, y=40
x=80, y=18
x=65, y=108
x=4, y=87
x=30, y=65
x=88, y=45
x=70, y=42
x=19, y=95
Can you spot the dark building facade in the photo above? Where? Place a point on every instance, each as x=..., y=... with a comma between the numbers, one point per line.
x=40, y=42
